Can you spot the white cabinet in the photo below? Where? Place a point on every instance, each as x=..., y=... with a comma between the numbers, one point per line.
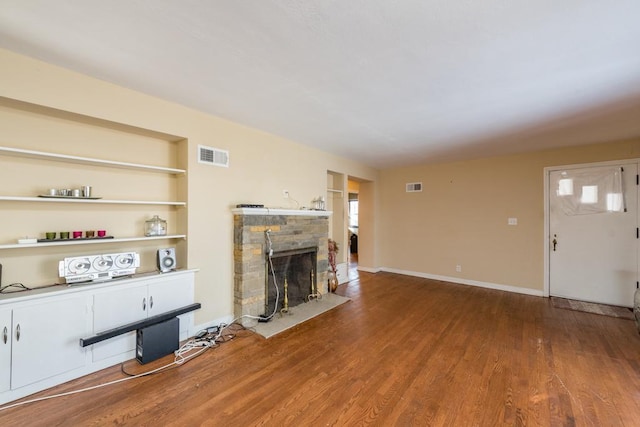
x=41, y=340
x=46, y=339
x=118, y=307
x=40, y=330
x=113, y=308
x=5, y=350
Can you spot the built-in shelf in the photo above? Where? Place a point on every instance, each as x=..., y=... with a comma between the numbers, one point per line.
x=90, y=241
x=331, y=190
x=83, y=200
x=86, y=160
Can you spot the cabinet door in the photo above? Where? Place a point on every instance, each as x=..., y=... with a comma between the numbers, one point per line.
x=169, y=293
x=113, y=308
x=5, y=350
x=46, y=339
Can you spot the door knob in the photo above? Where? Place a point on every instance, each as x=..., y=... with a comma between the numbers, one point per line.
x=555, y=242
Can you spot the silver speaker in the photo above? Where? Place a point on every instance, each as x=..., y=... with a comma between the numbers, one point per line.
x=166, y=259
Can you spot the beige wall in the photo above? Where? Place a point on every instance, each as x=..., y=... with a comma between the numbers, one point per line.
x=261, y=166
x=353, y=186
x=460, y=217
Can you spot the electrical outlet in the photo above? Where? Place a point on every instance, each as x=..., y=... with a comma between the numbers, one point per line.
x=285, y=194
x=458, y=268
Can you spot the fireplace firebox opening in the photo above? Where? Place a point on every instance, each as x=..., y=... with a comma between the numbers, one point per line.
x=291, y=279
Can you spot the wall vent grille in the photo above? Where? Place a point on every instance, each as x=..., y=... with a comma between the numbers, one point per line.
x=213, y=156
x=414, y=187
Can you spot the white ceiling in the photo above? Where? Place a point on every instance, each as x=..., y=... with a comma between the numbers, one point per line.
x=385, y=82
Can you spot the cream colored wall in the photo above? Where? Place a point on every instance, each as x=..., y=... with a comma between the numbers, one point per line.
x=261, y=166
x=353, y=186
x=369, y=209
x=460, y=217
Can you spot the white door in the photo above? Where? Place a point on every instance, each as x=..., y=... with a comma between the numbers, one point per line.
x=46, y=339
x=593, y=224
x=113, y=308
x=5, y=350
x=172, y=292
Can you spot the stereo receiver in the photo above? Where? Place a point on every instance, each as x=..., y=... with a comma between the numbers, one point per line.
x=97, y=268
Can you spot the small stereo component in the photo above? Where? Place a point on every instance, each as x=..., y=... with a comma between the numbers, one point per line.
x=250, y=205
x=166, y=259
x=97, y=268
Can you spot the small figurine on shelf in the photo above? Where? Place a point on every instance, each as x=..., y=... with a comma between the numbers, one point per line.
x=333, y=279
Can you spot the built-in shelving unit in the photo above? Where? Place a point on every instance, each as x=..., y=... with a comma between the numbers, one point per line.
x=90, y=241
x=86, y=160
x=93, y=162
x=140, y=172
x=84, y=200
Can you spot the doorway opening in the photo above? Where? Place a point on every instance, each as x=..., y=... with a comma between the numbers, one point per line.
x=353, y=228
x=591, y=221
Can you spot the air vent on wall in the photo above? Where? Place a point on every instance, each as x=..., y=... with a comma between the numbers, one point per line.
x=414, y=187
x=213, y=156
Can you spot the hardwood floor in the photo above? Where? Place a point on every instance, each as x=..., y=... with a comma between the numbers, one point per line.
x=405, y=351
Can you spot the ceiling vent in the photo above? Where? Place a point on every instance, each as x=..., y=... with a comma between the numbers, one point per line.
x=414, y=187
x=213, y=156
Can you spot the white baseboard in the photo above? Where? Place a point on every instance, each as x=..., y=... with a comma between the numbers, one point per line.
x=507, y=288
x=369, y=270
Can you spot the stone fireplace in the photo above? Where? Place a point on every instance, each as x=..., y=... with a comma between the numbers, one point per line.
x=297, y=236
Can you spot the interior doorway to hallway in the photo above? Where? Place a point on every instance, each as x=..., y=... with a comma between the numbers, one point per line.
x=343, y=199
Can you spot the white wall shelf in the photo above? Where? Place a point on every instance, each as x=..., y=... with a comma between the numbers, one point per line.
x=90, y=241
x=87, y=160
x=83, y=200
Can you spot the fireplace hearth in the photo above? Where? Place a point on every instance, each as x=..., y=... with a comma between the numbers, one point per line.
x=298, y=240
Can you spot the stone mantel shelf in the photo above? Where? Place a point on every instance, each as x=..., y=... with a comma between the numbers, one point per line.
x=278, y=211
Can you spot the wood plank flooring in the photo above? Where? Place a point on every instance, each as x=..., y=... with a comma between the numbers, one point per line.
x=404, y=352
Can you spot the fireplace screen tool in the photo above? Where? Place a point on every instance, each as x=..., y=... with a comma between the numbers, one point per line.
x=292, y=281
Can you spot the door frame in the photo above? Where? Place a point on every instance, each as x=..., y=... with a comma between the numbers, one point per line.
x=547, y=232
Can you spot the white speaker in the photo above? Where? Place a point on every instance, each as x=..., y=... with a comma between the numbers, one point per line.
x=166, y=259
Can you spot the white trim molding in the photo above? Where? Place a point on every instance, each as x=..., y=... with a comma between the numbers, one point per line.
x=495, y=286
x=369, y=269
x=279, y=211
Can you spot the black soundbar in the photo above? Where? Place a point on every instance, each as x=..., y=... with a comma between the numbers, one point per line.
x=138, y=325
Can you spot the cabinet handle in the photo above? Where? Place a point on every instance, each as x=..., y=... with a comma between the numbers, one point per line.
x=144, y=304
x=151, y=302
x=18, y=332
x=5, y=334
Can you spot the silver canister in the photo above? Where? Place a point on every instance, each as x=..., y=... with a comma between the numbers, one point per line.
x=86, y=191
x=76, y=192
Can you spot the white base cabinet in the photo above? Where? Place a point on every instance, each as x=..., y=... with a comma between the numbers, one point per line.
x=46, y=339
x=40, y=330
x=5, y=349
x=117, y=307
